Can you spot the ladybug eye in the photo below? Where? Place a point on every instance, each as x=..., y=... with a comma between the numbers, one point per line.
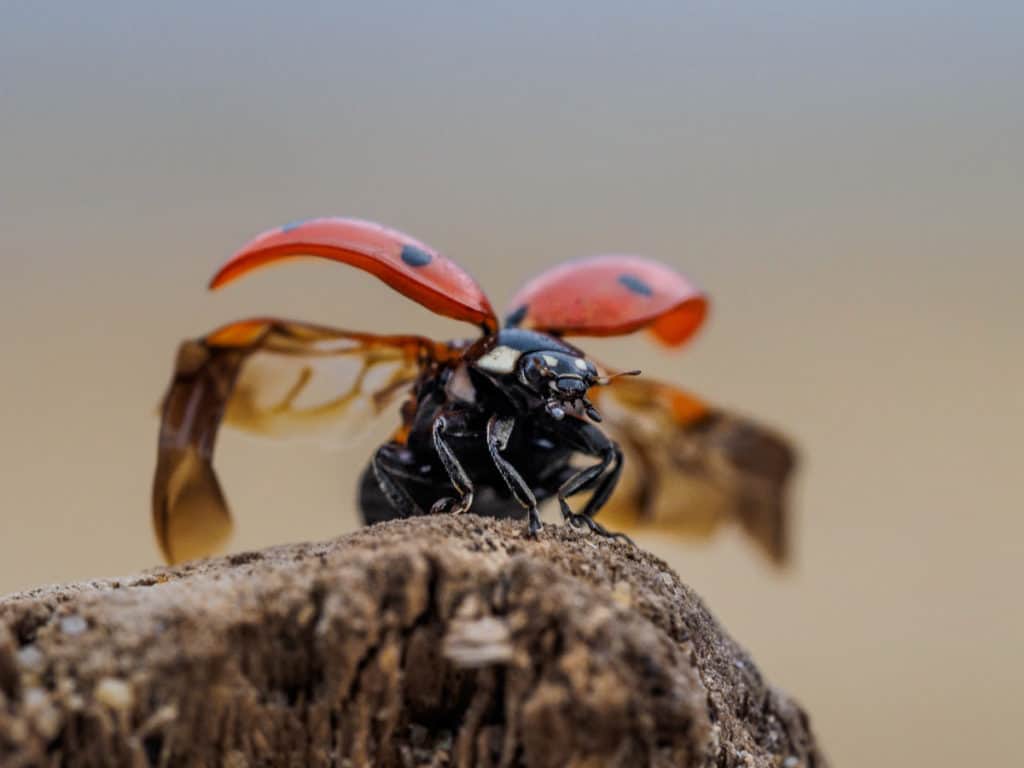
x=534, y=369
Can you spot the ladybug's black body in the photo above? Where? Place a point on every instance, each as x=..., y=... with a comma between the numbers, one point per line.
x=496, y=432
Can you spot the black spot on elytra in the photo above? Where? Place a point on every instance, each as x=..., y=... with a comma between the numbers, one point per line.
x=515, y=317
x=415, y=257
x=636, y=285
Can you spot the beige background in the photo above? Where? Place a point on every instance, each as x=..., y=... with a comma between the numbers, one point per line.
x=846, y=183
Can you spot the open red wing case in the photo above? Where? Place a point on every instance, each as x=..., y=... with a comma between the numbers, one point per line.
x=407, y=265
x=611, y=295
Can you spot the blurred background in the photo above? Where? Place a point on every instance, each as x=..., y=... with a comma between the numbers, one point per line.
x=846, y=180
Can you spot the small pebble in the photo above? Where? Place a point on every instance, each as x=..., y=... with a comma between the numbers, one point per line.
x=73, y=625
x=478, y=643
x=41, y=713
x=30, y=657
x=114, y=693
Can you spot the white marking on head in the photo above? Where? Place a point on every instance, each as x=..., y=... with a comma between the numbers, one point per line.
x=460, y=387
x=499, y=360
x=581, y=364
x=551, y=360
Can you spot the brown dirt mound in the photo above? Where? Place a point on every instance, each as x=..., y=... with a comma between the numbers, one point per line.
x=435, y=641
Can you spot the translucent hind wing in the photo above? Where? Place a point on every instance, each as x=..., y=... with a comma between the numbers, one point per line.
x=307, y=381
x=691, y=467
x=272, y=377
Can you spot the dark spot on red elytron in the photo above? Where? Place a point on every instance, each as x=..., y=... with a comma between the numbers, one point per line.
x=292, y=225
x=636, y=285
x=515, y=317
x=415, y=257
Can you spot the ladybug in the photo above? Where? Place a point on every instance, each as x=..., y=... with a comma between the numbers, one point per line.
x=495, y=424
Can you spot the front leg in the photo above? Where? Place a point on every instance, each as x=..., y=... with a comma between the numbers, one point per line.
x=589, y=440
x=498, y=432
x=460, y=480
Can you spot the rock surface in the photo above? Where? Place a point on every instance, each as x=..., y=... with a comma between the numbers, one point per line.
x=428, y=642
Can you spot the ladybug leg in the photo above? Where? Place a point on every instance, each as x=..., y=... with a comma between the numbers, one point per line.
x=391, y=480
x=498, y=432
x=607, y=483
x=591, y=441
x=460, y=480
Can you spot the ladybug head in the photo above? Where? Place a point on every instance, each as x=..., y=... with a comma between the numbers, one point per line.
x=561, y=379
x=549, y=369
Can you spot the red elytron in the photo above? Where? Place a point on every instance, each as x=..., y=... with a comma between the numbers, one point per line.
x=493, y=424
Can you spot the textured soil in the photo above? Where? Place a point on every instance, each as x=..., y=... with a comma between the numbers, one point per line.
x=428, y=642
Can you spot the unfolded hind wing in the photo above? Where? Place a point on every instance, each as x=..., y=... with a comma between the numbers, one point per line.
x=691, y=467
x=271, y=377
